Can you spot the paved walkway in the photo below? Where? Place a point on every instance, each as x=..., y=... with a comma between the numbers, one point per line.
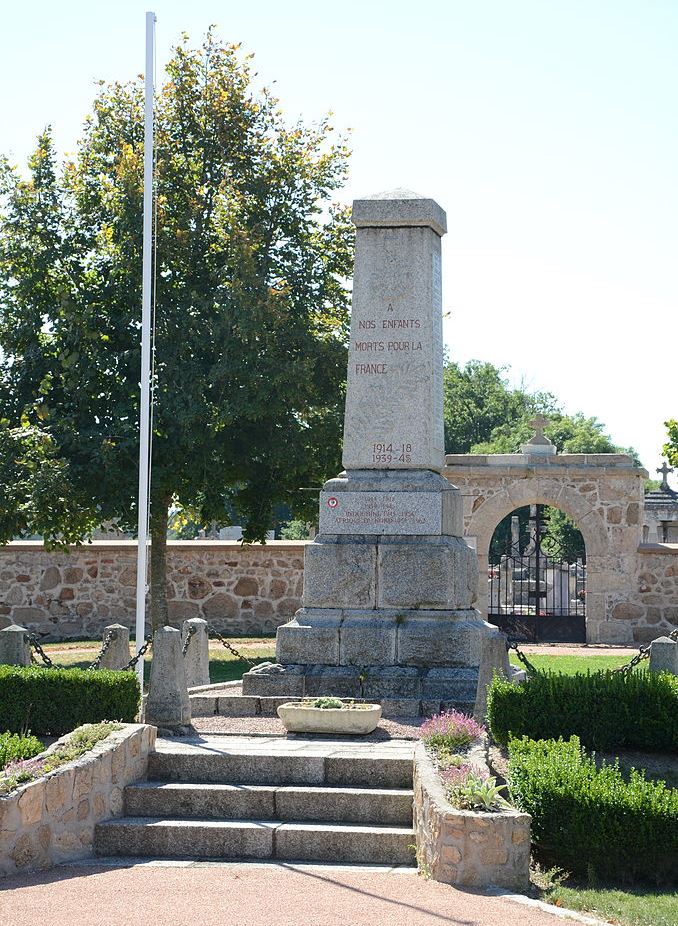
x=231, y=894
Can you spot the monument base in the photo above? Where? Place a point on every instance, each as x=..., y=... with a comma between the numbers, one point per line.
x=402, y=690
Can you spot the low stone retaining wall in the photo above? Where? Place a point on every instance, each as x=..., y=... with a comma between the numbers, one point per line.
x=467, y=847
x=239, y=589
x=51, y=820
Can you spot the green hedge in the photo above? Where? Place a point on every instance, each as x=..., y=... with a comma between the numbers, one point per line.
x=590, y=821
x=606, y=710
x=13, y=746
x=51, y=702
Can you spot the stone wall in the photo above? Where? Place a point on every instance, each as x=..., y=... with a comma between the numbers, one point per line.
x=239, y=589
x=471, y=848
x=650, y=605
x=51, y=820
x=253, y=589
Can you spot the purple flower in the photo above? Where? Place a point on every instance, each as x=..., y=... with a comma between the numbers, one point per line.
x=451, y=729
x=457, y=775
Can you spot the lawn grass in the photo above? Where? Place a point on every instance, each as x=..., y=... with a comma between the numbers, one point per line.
x=224, y=666
x=611, y=904
x=570, y=665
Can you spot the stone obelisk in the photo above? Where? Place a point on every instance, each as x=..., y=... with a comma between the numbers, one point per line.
x=389, y=583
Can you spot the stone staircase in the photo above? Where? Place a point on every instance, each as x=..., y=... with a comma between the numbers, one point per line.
x=262, y=798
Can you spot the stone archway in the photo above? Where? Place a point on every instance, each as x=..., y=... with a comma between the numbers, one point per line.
x=602, y=493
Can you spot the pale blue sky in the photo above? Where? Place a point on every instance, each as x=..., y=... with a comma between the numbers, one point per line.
x=547, y=129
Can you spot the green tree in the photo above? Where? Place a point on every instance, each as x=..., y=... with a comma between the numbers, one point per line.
x=36, y=489
x=478, y=400
x=671, y=446
x=251, y=313
x=570, y=433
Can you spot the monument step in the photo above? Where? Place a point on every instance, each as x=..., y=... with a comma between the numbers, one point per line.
x=152, y=837
x=389, y=806
x=326, y=764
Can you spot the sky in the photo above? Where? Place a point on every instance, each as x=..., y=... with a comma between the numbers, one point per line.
x=546, y=129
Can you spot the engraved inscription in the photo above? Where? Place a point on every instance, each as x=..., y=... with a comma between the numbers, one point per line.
x=380, y=513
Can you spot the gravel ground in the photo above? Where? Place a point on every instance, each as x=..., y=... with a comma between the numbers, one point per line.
x=403, y=728
x=251, y=895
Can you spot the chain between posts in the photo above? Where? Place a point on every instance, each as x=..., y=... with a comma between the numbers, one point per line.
x=189, y=636
x=643, y=653
x=140, y=655
x=231, y=649
x=33, y=641
x=108, y=639
x=512, y=645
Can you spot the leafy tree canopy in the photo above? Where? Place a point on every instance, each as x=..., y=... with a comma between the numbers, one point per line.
x=483, y=414
x=251, y=311
x=671, y=446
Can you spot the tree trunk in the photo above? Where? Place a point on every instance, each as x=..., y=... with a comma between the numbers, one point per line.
x=159, y=517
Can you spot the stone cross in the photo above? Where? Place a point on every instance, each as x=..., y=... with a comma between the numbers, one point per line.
x=539, y=423
x=665, y=470
x=394, y=394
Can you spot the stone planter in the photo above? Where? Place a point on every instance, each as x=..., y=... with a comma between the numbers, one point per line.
x=51, y=820
x=470, y=848
x=298, y=717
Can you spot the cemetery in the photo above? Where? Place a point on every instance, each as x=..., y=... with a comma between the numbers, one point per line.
x=459, y=689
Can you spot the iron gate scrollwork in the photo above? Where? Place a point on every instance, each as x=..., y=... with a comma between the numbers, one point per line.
x=537, y=591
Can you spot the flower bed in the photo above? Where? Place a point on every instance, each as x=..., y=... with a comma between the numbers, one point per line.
x=466, y=831
x=14, y=746
x=49, y=816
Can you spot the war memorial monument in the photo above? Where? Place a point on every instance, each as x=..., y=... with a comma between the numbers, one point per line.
x=389, y=582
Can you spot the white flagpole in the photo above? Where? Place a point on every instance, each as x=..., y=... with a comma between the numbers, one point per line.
x=144, y=412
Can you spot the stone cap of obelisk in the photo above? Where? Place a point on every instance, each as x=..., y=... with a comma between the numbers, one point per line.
x=394, y=393
x=398, y=208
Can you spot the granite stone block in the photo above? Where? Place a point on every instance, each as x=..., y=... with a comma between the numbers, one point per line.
x=273, y=680
x=308, y=645
x=438, y=641
x=431, y=575
x=368, y=642
x=340, y=575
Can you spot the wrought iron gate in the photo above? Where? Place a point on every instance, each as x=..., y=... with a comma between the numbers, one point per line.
x=536, y=592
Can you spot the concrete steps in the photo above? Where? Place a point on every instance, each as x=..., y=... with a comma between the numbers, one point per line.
x=391, y=806
x=254, y=839
x=295, y=800
x=342, y=767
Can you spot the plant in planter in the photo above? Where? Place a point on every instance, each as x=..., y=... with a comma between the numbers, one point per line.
x=469, y=787
x=329, y=715
x=449, y=737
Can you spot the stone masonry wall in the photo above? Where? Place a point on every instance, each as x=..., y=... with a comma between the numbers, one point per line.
x=239, y=589
x=471, y=848
x=253, y=589
x=51, y=820
x=651, y=605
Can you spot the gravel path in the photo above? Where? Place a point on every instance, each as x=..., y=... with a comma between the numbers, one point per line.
x=182, y=894
x=403, y=728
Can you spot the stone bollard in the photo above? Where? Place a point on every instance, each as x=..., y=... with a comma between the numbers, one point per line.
x=15, y=650
x=117, y=655
x=167, y=704
x=664, y=655
x=197, y=658
x=493, y=660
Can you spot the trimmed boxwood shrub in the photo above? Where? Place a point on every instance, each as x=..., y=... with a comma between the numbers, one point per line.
x=13, y=746
x=51, y=702
x=606, y=710
x=590, y=821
